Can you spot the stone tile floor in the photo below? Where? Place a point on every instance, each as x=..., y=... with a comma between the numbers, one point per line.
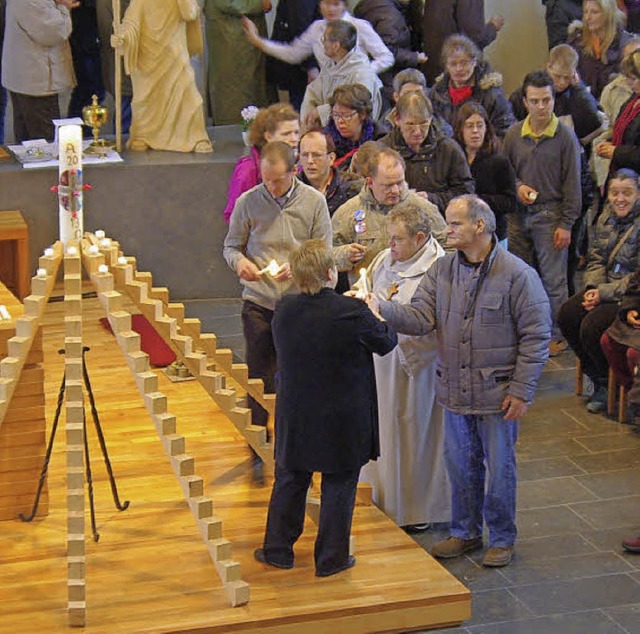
x=579, y=495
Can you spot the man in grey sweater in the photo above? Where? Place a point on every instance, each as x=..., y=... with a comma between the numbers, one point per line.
x=267, y=223
x=546, y=158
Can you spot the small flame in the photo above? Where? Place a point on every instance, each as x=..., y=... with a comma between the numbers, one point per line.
x=273, y=268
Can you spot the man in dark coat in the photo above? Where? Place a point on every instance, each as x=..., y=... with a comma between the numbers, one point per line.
x=326, y=412
x=558, y=16
x=442, y=18
x=292, y=18
x=389, y=19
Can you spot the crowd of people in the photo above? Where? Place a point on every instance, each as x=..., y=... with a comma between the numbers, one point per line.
x=462, y=217
x=407, y=235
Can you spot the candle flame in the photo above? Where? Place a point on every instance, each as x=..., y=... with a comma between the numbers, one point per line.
x=273, y=268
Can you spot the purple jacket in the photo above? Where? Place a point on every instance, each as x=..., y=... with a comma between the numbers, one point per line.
x=246, y=175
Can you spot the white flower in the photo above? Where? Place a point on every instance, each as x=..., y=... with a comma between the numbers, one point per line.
x=249, y=113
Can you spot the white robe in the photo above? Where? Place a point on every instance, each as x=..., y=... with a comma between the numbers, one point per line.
x=409, y=478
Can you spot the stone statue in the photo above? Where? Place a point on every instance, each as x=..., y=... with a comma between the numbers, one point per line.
x=157, y=38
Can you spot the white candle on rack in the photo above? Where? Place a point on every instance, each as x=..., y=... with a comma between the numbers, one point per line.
x=103, y=268
x=105, y=243
x=122, y=260
x=70, y=185
x=48, y=252
x=99, y=234
x=41, y=273
x=72, y=251
x=4, y=313
x=93, y=249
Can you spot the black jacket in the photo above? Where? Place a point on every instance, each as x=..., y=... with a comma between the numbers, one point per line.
x=496, y=185
x=327, y=408
x=439, y=167
x=576, y=101
x=343, y=186
x=487, y=90
x=559, y=15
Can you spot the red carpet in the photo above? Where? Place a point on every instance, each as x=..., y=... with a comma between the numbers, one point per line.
x=151, y=342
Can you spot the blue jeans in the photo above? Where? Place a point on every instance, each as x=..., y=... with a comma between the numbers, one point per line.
x=470, y=443
x=531, y=238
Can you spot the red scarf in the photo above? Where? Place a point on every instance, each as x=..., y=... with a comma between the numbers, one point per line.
x=458, y=95
x=629, y=113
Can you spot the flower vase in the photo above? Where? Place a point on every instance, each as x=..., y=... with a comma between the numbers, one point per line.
x=245, y=137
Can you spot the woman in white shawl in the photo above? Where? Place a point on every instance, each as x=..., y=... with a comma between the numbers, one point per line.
x=409, y=479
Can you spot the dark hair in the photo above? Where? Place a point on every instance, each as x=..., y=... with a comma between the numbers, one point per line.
x=342, y=32
x=355, y=96
x=409, y=76
x=331, y=146
x=490, y=145
x=276, y=151
x=625, y=174
x=538, y=79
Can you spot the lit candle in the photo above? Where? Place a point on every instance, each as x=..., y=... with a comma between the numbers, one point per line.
x=72, y=251
x=48, y=252
x=99, y=234
x=105, y=243
x=94, y=249
x=4, y=313
x=272, y=268
x=122, y=260
x=103, y=268
x=70, y=186
x=41, y=272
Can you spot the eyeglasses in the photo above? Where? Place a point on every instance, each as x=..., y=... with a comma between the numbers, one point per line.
x=338, y=116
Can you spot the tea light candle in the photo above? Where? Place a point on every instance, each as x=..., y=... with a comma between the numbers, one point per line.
x=48, y=252
x=41, y=273
x=72, y=251
x=105, y=243
x=122, y=260
x=99, y=234
x=93, y=249
x=103, y=268
x=4, y=313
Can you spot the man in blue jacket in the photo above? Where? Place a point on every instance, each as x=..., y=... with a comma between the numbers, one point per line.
x=493, y=324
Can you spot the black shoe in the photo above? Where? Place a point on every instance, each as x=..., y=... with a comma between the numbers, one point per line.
x=258, y=555
x=351, y=562
x=414, y=529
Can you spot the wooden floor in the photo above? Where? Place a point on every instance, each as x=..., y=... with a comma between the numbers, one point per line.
x=150, y=571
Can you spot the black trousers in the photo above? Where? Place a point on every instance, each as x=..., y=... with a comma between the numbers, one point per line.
x=583, y=329
x=260, y=353
x=285, y=520
x=32, y=116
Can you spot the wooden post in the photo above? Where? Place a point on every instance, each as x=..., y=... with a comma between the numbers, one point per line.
x=118, y=76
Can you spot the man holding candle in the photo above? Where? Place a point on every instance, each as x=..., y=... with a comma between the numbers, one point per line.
x=492, y=321
x=359, y=227
x=267, y=223
x=326, y=414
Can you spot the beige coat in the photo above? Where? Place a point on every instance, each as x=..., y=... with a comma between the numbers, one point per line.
x=36, y=58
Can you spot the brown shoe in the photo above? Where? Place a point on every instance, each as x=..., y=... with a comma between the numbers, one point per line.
x=454, y=547
x=497, y=557
x=556, y=347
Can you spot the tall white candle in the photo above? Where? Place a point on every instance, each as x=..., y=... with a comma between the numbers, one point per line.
x=70, y=187
x=364, y=287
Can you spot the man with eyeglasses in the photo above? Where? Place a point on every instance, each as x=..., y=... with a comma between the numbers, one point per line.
x=359, y=226
x=350, y=66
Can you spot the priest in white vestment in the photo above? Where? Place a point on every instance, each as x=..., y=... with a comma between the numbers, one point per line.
x=409, y=478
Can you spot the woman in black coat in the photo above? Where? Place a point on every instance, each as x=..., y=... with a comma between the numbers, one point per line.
x=434, y=163
x=468, y=77
x=492, y=171
x=326, y=411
